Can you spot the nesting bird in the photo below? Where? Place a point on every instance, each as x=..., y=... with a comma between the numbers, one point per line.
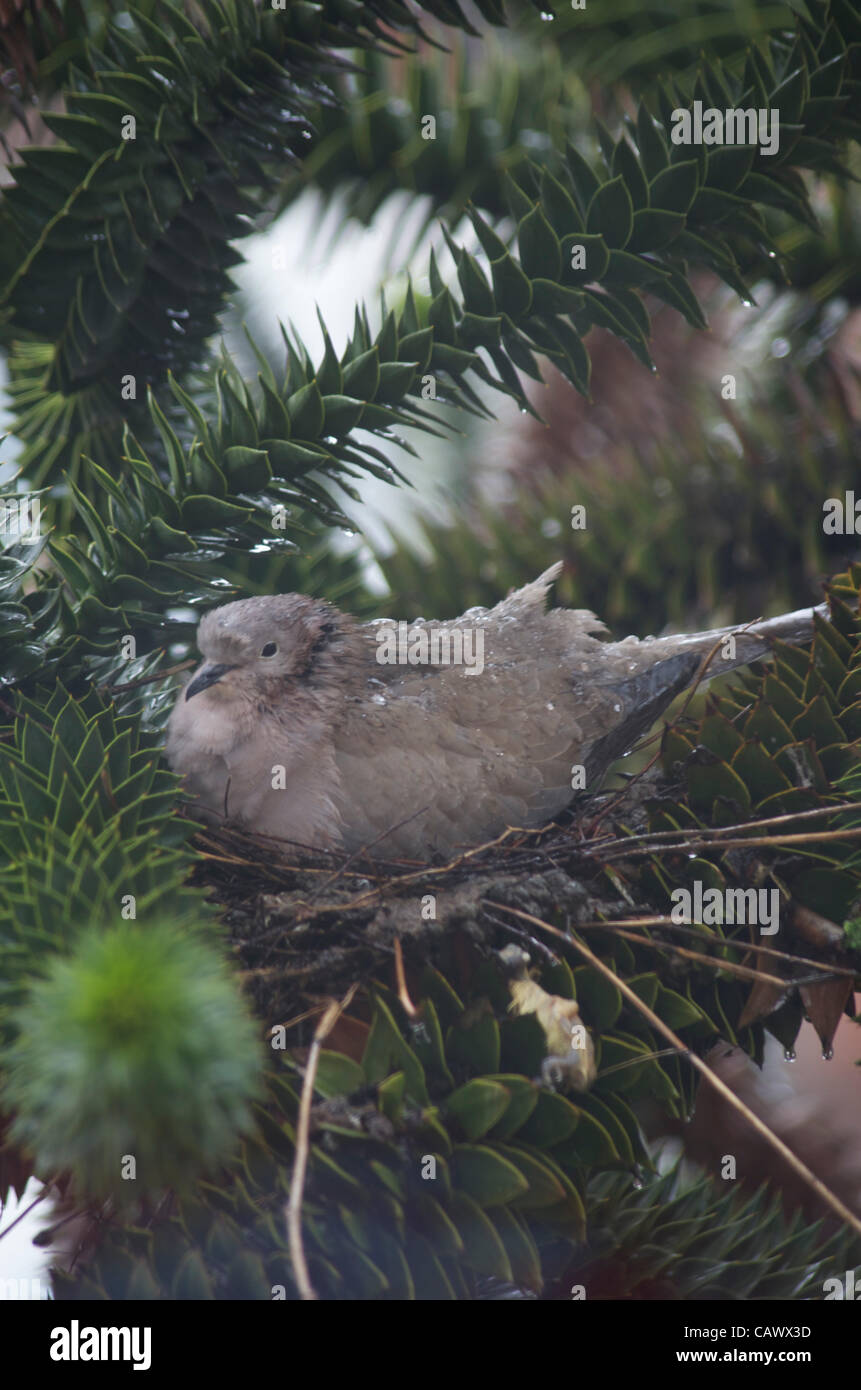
x=414, y=740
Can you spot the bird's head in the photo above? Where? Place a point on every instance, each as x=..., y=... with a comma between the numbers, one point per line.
x=263, y=649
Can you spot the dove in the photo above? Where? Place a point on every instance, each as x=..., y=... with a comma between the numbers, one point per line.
x=419, y=740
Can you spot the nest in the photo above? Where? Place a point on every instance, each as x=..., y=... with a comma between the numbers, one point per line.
x=306, y=924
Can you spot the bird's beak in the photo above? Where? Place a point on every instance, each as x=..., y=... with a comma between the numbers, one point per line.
x=205, y=678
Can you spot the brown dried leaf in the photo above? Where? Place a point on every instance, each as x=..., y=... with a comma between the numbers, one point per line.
x=824, y=1003
x=764, y=997
x=818, y=930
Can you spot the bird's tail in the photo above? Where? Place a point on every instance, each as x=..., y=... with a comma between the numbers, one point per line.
x=669, y=665
x=748, y=641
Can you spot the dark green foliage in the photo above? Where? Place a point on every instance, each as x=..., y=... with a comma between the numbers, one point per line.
x=639, y=43
x=654, y=210
x=116, y=250
x=119, y=242
x=87, y=816
x=115, y=260
x=494, y=111
x=428, y=1177
x=666, y=541
x=155, y=543
x=681, y=1243
x=784, y=741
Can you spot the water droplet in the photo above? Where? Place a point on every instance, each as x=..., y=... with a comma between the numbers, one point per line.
x=789, y=1054
x=827, y=1054
x=550, y=705
x=638, y=1176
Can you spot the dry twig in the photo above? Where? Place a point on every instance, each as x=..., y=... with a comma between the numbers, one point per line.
x=297, y=1180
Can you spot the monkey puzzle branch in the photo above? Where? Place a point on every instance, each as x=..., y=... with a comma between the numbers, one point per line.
x=794, y=1162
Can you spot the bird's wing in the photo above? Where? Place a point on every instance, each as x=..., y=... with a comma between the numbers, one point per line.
x=466, y=749
x=470, y=754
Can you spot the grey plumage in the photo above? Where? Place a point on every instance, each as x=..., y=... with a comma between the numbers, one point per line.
x=319, y=743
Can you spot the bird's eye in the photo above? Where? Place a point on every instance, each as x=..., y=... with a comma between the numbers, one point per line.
x=269, y=650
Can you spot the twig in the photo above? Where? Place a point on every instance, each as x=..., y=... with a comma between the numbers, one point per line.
x=406, y=1002
x=297, y=1180
x=233, y=857
x=740, y=943
x=644, y=1057
x=709, y=658
x=823, y=972
x=299, y=1018
x=815, y=1184
x=721, y=830
x=10, y=709
x=363, y=849
x=148, y=680
x=367, y=898
x=703, y=667
x=730, y=966
x=620, y=795
x=850, y=833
